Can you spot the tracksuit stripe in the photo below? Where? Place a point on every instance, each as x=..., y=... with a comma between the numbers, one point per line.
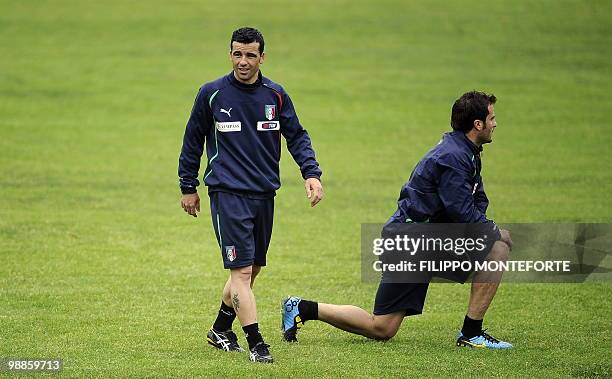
x=219, y=231
x=216, y=138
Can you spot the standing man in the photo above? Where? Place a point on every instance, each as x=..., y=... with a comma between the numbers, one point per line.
x=445, y=187
x=242, y=116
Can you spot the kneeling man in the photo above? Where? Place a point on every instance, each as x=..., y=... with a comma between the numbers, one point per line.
x=445, y=187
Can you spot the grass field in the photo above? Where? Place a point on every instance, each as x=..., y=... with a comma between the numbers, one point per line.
x=101, y=267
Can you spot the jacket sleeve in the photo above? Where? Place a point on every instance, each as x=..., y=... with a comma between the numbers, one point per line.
x=197, y=128
x=480, y=197
x=455, y=191
x=298, y=140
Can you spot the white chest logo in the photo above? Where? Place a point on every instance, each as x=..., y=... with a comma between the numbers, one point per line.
x=227, y=111
x=225, y=127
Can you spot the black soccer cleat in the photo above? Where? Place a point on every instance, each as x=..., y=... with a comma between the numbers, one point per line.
x=226, y=341
x=260, y=353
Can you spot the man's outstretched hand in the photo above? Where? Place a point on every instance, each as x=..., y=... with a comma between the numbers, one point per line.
x=314, y=190
x=191, y=203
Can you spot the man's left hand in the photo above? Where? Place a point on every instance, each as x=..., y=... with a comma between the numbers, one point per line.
x=314, y=190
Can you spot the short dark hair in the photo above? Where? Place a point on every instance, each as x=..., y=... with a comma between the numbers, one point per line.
x=471, y=106
x=248, y=35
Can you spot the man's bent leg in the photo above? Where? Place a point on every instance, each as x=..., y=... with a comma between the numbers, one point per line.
x=485, y=283
x=350, y=318
x=356, y=320
x=393, y=302
x=484, y=287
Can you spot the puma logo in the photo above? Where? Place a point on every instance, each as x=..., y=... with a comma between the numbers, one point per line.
x=227, y=111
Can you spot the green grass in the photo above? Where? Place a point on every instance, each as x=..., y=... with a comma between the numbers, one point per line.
x=102, y=268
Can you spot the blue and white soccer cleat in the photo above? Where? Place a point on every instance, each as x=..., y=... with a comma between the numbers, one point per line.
x=290, y=318
x=482, y=341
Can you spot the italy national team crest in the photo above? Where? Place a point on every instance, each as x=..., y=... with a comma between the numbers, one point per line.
x=230, y=251
x=270, y=112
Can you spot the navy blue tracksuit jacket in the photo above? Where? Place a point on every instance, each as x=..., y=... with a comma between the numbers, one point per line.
x=242, y=125
x=446, y=186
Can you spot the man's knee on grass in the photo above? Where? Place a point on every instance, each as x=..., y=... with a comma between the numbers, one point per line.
x=383, y=330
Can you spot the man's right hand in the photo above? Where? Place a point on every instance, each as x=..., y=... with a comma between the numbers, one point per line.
x=505, y=237
x=191, y=203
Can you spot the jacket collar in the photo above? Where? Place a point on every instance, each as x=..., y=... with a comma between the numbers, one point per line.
x=460, y=136
x=241, y=85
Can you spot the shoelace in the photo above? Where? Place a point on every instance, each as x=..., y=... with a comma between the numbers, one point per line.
x=489, y=338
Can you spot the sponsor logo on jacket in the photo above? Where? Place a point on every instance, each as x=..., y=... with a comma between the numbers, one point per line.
x=224, y=127
x=264, y=126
